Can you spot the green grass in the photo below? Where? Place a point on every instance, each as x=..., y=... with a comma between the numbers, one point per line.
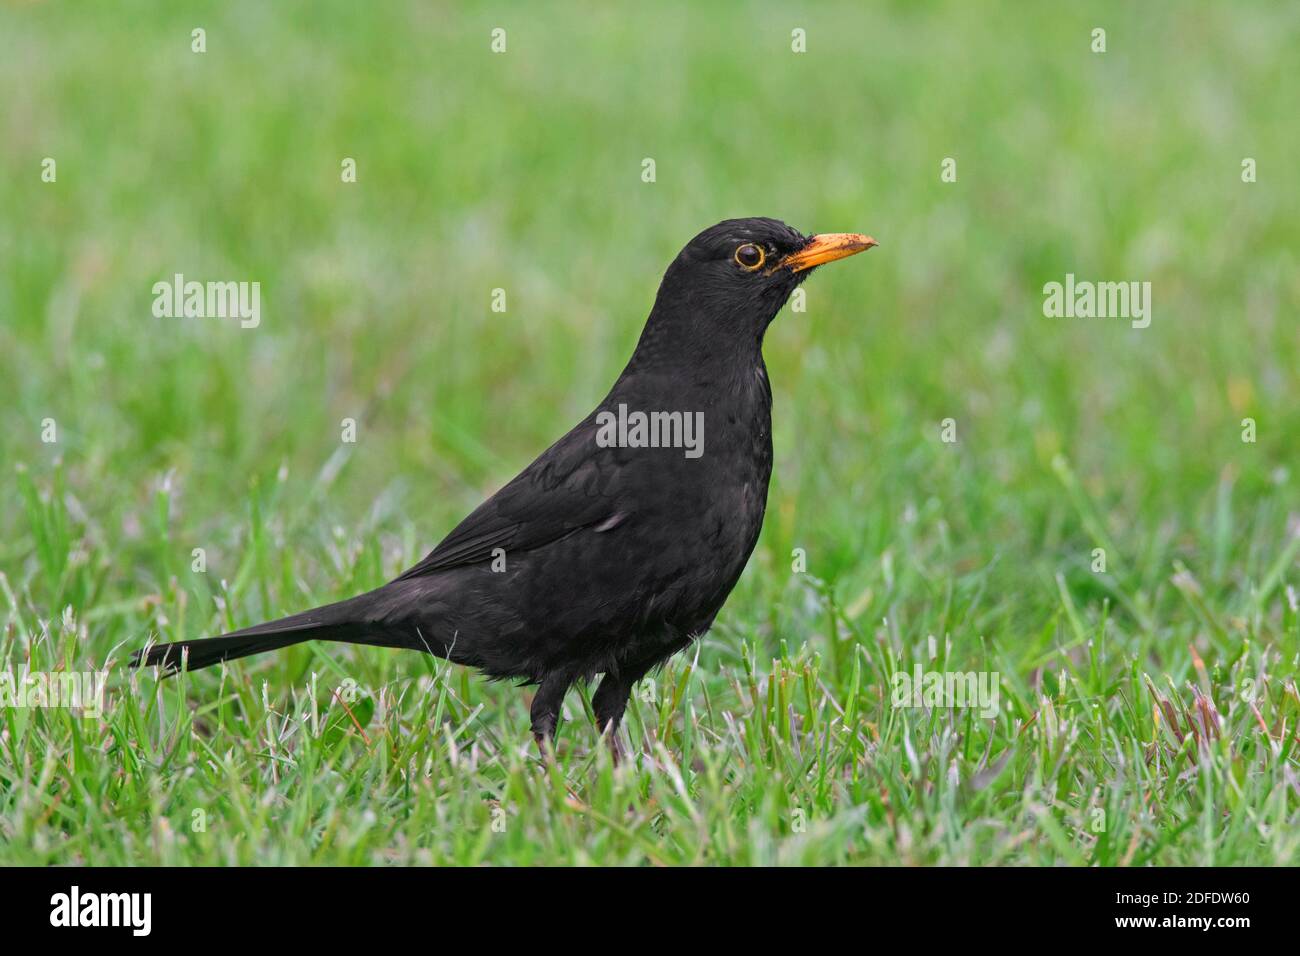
x=1162, y=693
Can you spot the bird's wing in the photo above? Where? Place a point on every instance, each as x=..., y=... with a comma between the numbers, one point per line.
x=568, y=488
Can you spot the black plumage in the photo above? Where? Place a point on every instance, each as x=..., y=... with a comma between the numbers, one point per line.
x=601, y=559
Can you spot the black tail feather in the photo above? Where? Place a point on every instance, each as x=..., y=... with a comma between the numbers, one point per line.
x=335, y=622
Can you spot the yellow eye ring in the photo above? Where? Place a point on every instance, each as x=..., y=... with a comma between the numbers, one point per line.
x=750, y=257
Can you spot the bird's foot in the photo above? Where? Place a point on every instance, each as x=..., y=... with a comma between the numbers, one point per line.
x=545, y=746
x=609, y=735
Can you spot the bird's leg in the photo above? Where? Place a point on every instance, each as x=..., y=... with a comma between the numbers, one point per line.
x=609, y=703
x=545, y=712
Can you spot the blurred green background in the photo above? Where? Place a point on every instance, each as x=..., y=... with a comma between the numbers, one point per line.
x=522, y=171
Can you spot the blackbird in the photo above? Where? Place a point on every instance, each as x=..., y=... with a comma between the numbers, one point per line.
x=618, y=546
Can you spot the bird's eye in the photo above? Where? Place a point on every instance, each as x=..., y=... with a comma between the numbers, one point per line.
x=750, y=256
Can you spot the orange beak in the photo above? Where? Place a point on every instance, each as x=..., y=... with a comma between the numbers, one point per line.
x=827, y=248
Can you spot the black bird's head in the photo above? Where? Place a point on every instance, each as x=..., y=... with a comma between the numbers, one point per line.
x=723, y=290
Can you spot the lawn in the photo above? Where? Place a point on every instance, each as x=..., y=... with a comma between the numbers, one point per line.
x=1106, y=517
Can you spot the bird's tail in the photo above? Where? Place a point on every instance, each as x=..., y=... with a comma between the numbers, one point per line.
x=343, y=621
